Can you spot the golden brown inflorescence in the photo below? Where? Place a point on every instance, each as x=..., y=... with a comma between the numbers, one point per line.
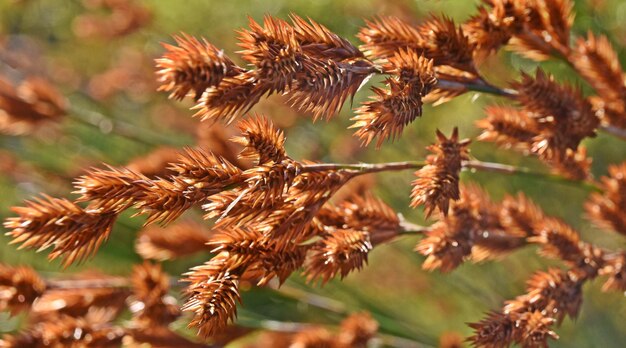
x=29, y=105
x=271, y=220
x=437, y=182
x=274, y=215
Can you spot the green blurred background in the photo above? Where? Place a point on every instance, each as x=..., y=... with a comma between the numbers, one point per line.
x=114, y=123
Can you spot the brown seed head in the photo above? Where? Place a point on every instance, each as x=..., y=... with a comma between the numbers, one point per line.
x=607, y=209
x=339, y=253
x=261, y=140
x=274, y=50
x=213, y=302
x=438, y=182
x=357, y=330
x=384, y=36
x=74, y=232
x=19, y=288
x=389, y=111
x=151, y=303
x=192, y=66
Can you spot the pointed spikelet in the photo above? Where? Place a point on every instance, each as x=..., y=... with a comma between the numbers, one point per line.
x=389, y=111
x=384, y=36
x=521, y=216
x=564, y=117
x=528, y=329
x=607, y=209
x=438, y=182
x=338, y=254
x=508, y=127
x=447, y=44
x=492, y=27
x=544, y=28
x=29, y=106
x=598, y=63
x=368, y=214
x=213, y=301
x=92, y=330
x=233, y=97
x=58, y=302
x=151, y=303
x=357, y=330
x=558, y=241
x=556, y=292
x=199, y=175
x=313, y=336
x=472, y=230
x=576, y=165
x=205, y=171
x=261, y=140
x=274, y=50
x=73, y=232
x=111, y=189
x=19, y=288
x=318, y=41
x=192, y=66
x=616, y=271
x=324, y=85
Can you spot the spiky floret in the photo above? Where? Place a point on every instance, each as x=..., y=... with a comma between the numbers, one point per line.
x=384, y=36
x=556, y=292
x=508, y=127
x=261, y=140
x=92, y=330
x=111, y=189
x=542, y=27
x=26, y=107
x=564, y=117
x=338, y=254
x=438, y=182
x=73, y=232
x=498, y=330
x=615, y=268
x=606, y=209
x=389, y=111
x=213, y=301
x=274, y=50
x=318, y=41
x=192, y=66
x=19, y=287
x=447, y=44
x=324, y=85
x=151, y=303
x=364, y=213
x=357, y=330
x=234, y=96
x=596, y=60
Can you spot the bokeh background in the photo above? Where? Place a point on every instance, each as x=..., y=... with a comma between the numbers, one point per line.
x=102, y=63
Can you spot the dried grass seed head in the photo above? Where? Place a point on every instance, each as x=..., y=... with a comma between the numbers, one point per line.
x=192, y=66
x=438, y=182
x=19, y=288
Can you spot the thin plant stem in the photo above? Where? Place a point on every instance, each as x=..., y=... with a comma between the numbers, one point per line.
x=511, y=94
x=473, y=166
x=107, y=125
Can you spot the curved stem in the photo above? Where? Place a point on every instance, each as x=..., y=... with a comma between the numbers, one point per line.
x=615, y=131
x=364, y=168
x=367, y=168
x=523, y=171
x=477, y=86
